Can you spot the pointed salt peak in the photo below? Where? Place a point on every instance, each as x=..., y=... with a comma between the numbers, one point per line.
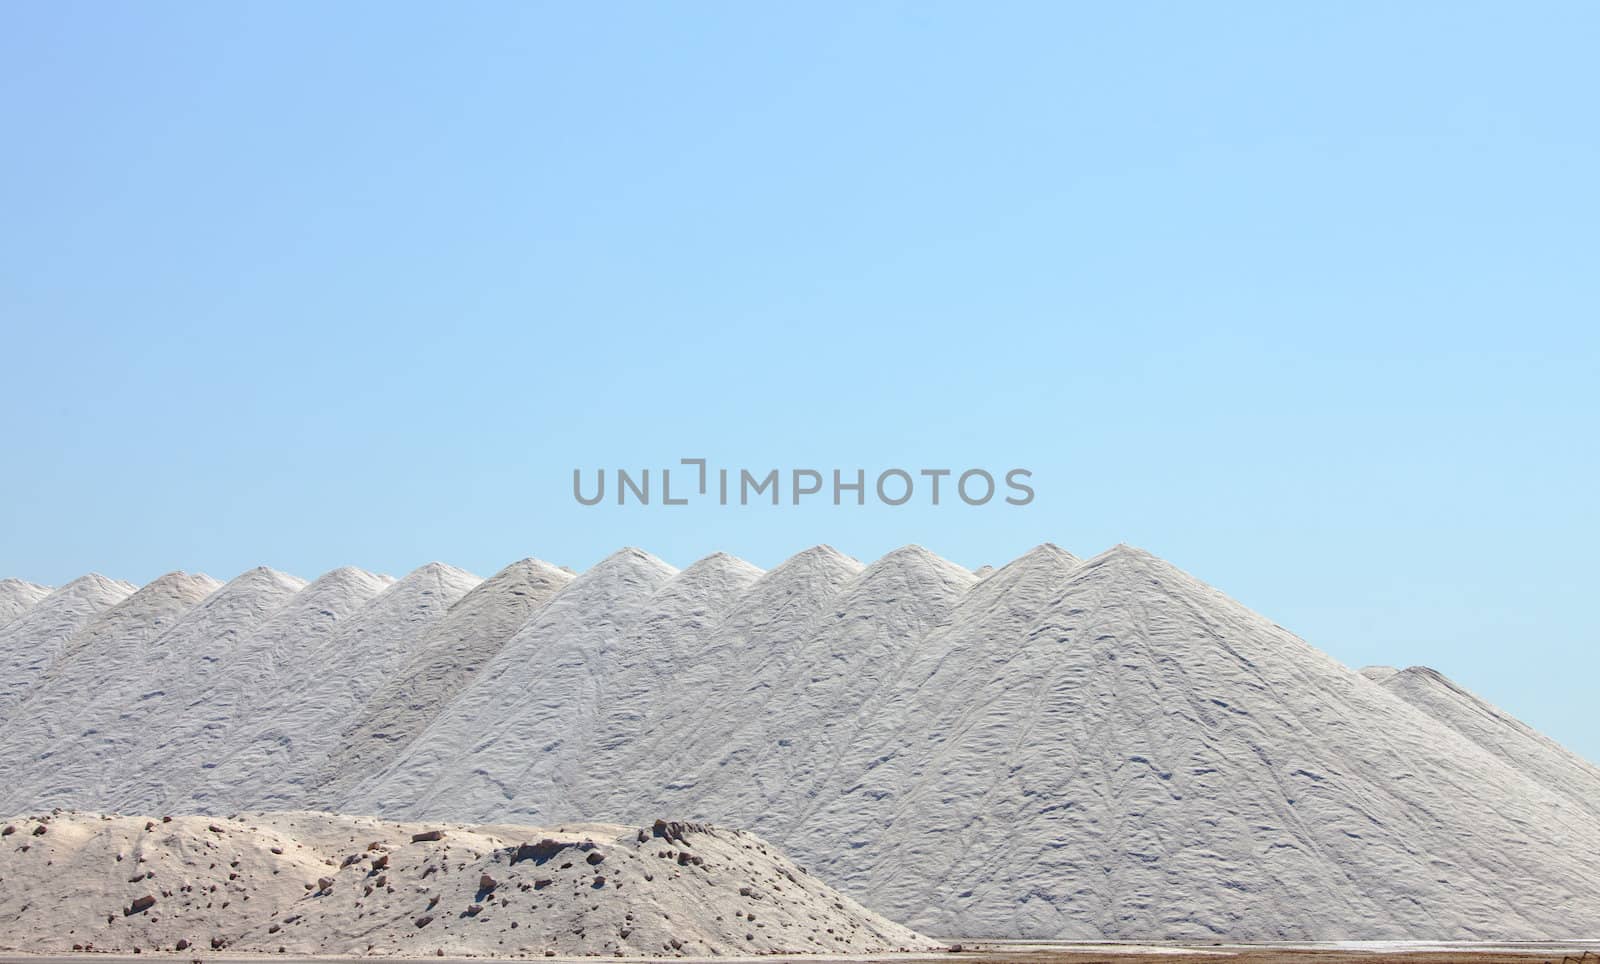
x=1124, y=558
x=820, y=558
x=629, y=560
x=717, y=575
x=719, y=566
x=439, y=574
x=1123, y=550
x=1046, y=560
x=914, y=557
x=93, y=582
x=524, y=577
x=349, y=576
x=181, y=583
x=266, y=578
x=1049, y=550
x=1424, y=672
x=23, y=584
x=529, y=569
x=1380, y=674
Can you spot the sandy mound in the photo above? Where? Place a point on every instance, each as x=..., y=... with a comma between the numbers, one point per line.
x=315, y=883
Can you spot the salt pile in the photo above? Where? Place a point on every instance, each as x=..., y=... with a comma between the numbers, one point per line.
x=33, y=638
x=269, y=758
x=117, y=680
x=170, y=766
x=445, y=661
x=1516, y=743
x=1052, y=749
x=824, y=684
x=1140, y=756
x=315, y=883
x=733, y=662
x=17, y=597
x=472, y=751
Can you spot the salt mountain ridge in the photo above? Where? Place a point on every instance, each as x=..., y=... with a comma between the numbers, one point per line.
x=1054, y=748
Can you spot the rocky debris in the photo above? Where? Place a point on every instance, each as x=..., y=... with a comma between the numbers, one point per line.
x=427, y=835
x=538, y=852
x=140, y=905
x=674, y=830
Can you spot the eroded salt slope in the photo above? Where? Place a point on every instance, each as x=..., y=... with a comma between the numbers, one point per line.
x=32, y=641
x=591, y=692
x=316, y=883
x=627, y=706
x=736, y=661
x=117, y=682
x=1520, y=746
x=291, y=725
x=858, y=790
x=773, y=720
x=188, y=733
x=1145, y=757
x=467, y=760
x=445, y=661
x=17, y=597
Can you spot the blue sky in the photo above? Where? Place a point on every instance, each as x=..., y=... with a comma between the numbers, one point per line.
x=1302, y=298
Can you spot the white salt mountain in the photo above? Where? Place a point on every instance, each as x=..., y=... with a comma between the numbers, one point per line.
x=798, y=702
x=445, y=661
x=1055, y=749
x=628, y=706
x=58, y=726
x=185, y=736
x=33, y=639
x=593, y=690
x=113, y=683
x=290, y=726
x=17, y=597
x=322, y=884
x=1143, y=757
x=724, y=680
x=1516, y=743
x=957, y=671
x=466, y=759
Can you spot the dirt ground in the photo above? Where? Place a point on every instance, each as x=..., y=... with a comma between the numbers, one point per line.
x=1019, y=953
x=986, y=952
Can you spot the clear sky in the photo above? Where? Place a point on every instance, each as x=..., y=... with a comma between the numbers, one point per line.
x=1302, y=298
